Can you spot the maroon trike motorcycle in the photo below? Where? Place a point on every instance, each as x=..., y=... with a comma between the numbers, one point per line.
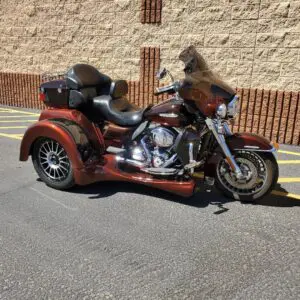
x=90, y=132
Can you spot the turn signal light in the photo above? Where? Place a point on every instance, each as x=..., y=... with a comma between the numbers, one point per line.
x=275, y=145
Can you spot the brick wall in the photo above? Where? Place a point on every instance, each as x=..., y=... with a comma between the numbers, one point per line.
x=273, y=114
x=151, y=11
x=20, y=90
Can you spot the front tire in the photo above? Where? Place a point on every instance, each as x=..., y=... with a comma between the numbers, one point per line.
x=52, y=164
x=262, y=175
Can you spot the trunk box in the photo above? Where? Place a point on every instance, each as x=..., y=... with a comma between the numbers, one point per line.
x=55, y=93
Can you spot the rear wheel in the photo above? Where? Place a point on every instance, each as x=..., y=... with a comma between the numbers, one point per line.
x=260, y=176
x=52, y=164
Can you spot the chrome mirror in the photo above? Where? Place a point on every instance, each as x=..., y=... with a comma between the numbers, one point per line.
x=161, y=74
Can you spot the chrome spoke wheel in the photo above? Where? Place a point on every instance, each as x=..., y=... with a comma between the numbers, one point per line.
x=254, y=170
x=53, y=160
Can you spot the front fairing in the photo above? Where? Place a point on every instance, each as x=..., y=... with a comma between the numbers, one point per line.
x=202, y=85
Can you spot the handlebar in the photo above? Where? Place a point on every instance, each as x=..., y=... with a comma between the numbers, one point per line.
x=172, y=88
x=164, y=89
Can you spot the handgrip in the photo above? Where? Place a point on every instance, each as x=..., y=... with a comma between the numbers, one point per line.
x=164, y=89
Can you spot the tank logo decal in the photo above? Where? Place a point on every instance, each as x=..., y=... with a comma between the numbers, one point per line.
x=171, y=115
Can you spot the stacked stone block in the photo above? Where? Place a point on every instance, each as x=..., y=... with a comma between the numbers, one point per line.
x=252, y=43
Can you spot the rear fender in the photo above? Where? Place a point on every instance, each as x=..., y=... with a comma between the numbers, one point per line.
x=235, y=142
x=55, y=131
x=71, y=115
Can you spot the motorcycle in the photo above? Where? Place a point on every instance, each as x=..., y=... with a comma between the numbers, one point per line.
x=90, y=132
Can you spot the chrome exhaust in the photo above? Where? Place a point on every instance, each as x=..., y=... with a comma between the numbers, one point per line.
x=131, y=162
x=161, y=171
x=142, y=165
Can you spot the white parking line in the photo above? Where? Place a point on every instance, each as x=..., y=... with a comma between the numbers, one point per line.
x=12, y=136
x=289, y=152
x=53, y=200
x=8, y=117
x=12, y=111
x=288, y=162
x=12, y=127
x=288, y=179
x=17, y=121
x=286, y=194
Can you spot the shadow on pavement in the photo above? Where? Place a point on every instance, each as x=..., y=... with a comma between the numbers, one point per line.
x=200, y=199
x=282, y=200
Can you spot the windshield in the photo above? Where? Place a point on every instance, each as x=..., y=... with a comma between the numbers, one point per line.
x=198, y=76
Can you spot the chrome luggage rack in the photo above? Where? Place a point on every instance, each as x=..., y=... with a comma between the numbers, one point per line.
x=49, y=76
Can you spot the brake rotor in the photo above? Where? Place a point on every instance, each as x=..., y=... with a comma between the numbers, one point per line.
x=253, y=169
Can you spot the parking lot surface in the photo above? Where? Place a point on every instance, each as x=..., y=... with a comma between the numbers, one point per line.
x=126, y=241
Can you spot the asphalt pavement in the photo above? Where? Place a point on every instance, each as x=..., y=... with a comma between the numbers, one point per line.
x=125, y=241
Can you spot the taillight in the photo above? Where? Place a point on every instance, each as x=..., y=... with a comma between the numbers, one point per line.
x=42, y=95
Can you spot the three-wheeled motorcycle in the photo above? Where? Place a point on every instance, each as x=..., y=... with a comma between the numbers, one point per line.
x=91, y=132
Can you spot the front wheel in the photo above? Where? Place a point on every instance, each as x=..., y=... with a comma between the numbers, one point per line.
x=260, y=176
x=52, y=164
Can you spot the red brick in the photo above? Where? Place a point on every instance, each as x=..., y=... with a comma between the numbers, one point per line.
x=151, y=11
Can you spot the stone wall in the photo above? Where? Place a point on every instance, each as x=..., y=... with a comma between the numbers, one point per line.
x=252, y=43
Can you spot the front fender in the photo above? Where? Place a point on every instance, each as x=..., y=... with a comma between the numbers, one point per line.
x=52, y=130
x=238, y=141
x=249, y=141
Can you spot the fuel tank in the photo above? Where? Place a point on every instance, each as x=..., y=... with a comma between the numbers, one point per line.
x=168, y=113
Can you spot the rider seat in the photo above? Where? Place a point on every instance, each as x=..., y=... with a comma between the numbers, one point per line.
x=90, y=90
x=116, y=108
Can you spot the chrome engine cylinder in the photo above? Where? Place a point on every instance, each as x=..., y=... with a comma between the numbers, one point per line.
x=163, y=137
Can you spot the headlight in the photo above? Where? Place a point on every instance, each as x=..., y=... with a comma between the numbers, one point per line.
x=221, y=111
x=233, y=107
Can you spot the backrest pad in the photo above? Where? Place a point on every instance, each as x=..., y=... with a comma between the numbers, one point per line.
x=83, y=75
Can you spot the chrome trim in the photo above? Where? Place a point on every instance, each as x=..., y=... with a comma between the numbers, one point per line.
x=191, y=155
x=272, y=150
x=163, y=137
x=147, y=151
x=227, y=130
x=130, y=162
x=114, y=150
x=169, y=115
x=232, y=107
x=170, y=161
x=161, y=171
x=137, y=153
x=139, y=130
x=221, y=111
x=213, y=126
x=165, y=88
x=193, y=165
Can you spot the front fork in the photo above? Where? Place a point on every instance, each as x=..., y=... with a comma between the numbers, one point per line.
x=219, y=131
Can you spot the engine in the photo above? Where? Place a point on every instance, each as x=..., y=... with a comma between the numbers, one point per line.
x=156, y=148
x=163, y=137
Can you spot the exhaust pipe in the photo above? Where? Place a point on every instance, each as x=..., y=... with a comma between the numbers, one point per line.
x=135, y=163
x=161, y=171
